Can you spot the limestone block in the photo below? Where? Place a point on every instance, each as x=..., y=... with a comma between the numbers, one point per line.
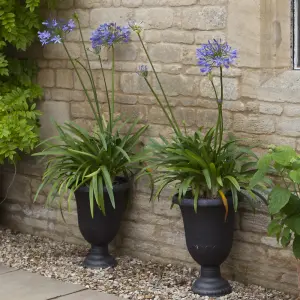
x=270, y=109
x=231, y=88
x=46, y=78
x=132, y=3
x=175, y=36
x=204, y=18
x=107, y=15
x=58, y=52
x=53, y=110
x=92, y=3
x=64, y=78
x=253, y=124
x=19, y=191
x=288, y=126
x=156, y=18
x=244, y=21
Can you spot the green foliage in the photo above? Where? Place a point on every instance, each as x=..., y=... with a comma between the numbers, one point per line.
x=191, y=162
x=19, y=22
x=283, y=163
x=77, y=158
x=18, y=122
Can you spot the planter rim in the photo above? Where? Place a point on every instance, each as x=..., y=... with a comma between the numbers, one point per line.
x=202, y=202
x=123, y=184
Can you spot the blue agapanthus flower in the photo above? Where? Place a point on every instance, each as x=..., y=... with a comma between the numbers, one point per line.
x=109, y=34
x=143, y=71
x=54, y=31
x=215, y=54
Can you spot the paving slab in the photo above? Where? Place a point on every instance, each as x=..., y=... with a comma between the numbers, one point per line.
x=21, y=285
x=89, y=295
x=5, y=269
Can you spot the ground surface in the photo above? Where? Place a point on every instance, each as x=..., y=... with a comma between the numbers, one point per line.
x=18, y=284
x=131, y=279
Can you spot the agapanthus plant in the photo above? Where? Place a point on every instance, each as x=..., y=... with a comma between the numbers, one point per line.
x=78, y=158
x=198, y=164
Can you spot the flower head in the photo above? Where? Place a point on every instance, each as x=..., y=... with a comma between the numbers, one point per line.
x=143, y=71
x=136, y=27
x=44, y=36
x=109, y=34
x=215, y=54
x=55, y=30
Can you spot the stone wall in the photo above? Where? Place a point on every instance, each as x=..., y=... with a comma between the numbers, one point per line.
x=262, y=105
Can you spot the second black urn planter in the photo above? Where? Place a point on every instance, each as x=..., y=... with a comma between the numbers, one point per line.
x=101, y=229
x=209, y=240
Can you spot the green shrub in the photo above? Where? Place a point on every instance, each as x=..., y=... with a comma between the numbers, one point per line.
x=19, y=23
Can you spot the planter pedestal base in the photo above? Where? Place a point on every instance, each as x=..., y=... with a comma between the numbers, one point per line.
x=211, y=283
x=99, y=258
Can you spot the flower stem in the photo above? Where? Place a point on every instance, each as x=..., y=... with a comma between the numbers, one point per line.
x=82, y=83
x=161, y=105
x=91, y=73
x=178, y=132
x=221, y=109
x=112, y=108
x=105, y=84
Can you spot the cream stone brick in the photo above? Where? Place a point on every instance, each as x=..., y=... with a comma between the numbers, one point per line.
x=81, y=110
x=291, y=110
x=156, y=18
x=180, y=2
x=131, y=83
x=53, y=110
x=42, y=63
x=106, y=15
x=172, y=68
x=85, y=79
x=288, y=126
x=132, y=3
x=83, y=15
x=134, y=112
x=244, y=21
x=167, y=53
x=185, y=115
x=20, y=190
x=57, y=64
x=126, y=99
x=212, y=2
x=64, y=78
x=92, y=3
x=231, y=88
x=61, y=94
x=77, y=95
x=204, y=36
x=257, y=124
x=125, y=52
x=157, y=116
x=58, y=52
x=204, y=18
x=174, y=36
x=46, y=78
x=208, y=118
x=152, y=36
x=270, y=109
x=175, y=85
x=188, y=55
x=65, y=4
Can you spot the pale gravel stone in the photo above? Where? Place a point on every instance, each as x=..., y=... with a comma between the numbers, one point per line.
x=131, y=279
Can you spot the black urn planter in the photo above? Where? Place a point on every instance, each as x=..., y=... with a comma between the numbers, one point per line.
x=100, y=230
x=209, y=240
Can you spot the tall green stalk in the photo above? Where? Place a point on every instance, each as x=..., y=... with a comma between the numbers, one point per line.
x=175, y=124
x=112, y=109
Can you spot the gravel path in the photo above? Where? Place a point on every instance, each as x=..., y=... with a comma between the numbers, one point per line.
x=131, y=279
